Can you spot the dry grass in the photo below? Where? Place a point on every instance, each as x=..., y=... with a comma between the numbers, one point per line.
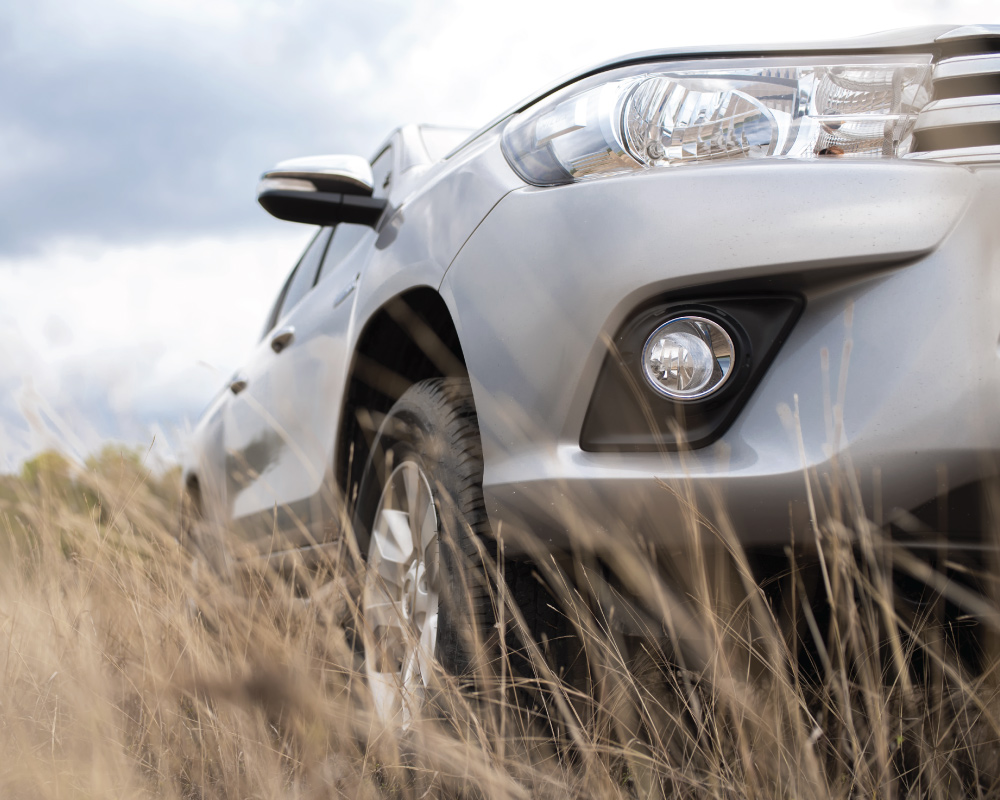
x=125, y=675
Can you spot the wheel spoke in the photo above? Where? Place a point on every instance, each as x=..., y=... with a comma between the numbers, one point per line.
x=401, y=611
x=380, y=611
x=428, y=641
x=425, y=601
x=393, y=537
x=387, y=573
x=411, y=668
x=385, y=691
x=412, y=684
x=391, y=574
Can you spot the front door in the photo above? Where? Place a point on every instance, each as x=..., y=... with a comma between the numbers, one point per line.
x=256, y=442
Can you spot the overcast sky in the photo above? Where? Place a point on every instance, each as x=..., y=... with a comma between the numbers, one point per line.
x=135, y=265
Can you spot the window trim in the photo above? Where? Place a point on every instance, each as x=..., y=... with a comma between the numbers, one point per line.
x=278, y=309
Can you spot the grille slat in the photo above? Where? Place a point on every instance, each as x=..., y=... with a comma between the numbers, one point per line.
x=967, y=66
x=957, y=111
x=960, y=155
x=962, y=122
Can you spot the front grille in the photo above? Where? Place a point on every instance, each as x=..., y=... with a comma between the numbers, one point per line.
x=962, y=122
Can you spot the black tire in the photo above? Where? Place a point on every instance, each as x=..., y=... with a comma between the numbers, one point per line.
x=434, y=424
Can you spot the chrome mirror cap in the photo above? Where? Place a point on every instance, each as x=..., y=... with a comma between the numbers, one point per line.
x=321, y=190
x=342, y=174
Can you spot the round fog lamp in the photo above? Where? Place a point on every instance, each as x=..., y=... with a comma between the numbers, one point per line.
x=688, y=358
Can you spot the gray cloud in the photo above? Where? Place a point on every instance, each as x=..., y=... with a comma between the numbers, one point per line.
x=126, y=120
x=135, y=266
x=123, y=124
x=129, y=394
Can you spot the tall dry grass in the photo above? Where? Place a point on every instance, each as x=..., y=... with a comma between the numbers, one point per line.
x=125, y=673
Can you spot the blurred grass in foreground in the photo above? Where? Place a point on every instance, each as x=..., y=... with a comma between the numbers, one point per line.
x=125, y=673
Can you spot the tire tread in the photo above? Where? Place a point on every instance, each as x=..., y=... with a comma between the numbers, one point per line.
x=444, y=408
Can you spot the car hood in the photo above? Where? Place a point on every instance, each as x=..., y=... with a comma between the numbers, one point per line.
x=937, y=40
x=927, y=38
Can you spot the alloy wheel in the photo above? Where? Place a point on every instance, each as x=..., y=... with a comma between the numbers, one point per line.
x=401, y=600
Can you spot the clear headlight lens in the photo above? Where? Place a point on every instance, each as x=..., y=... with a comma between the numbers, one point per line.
x=656, y=116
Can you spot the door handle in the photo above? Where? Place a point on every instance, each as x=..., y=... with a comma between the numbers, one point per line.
x=344, y=293
x=282, y=338
x=238, y=383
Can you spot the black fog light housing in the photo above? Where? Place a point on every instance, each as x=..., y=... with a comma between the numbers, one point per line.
x=688, y=358
x=700, y=356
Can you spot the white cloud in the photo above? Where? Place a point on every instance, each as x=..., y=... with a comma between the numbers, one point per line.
x=103, y=342
x=33, y=155
x=102, y=338
x=460, y=63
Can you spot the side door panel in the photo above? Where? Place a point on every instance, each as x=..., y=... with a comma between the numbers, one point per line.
x=281, y=431
x=205, y=463
x=288, y=427
x=281, y=437
x=254, y=438
x=308, y=389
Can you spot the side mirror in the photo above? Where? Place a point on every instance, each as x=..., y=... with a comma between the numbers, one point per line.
x=321, y=190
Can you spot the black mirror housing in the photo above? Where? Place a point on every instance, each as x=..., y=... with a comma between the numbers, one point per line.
x=322, y=208
x=321, y=190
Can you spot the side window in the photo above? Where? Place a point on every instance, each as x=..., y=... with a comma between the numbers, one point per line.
x=272, y=315
x=440, y=141
x=345, y=237
x=382, y=172
x=304, y=276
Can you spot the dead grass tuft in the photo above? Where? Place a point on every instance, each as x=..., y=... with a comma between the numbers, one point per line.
x=125, y=674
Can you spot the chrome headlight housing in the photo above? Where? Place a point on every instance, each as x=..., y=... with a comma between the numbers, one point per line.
x=668, y=114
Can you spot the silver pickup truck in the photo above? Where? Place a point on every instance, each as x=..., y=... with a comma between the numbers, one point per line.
x=677, y=277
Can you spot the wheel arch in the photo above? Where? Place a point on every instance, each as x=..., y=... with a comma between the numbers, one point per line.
x=410, y=338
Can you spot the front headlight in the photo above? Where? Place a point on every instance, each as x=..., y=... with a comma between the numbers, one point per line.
x=662, y=115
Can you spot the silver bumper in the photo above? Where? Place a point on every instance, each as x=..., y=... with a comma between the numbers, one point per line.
x=889, y=382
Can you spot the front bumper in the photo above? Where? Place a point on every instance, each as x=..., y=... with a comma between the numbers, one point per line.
x=888, y=385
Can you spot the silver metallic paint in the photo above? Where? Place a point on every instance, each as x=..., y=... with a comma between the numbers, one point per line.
x=536, y=279
x=292, y=407
x=913, y=253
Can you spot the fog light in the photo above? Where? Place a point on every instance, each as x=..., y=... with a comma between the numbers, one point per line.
x=688, y=358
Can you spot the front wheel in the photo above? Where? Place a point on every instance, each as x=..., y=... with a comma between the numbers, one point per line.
x=425, y=599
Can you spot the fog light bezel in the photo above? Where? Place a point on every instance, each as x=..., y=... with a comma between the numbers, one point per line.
x=729, y=339
x=625, y=414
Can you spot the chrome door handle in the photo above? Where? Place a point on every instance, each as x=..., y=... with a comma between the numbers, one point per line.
x=238, y=383
x=282, y=338
x=344, y=293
